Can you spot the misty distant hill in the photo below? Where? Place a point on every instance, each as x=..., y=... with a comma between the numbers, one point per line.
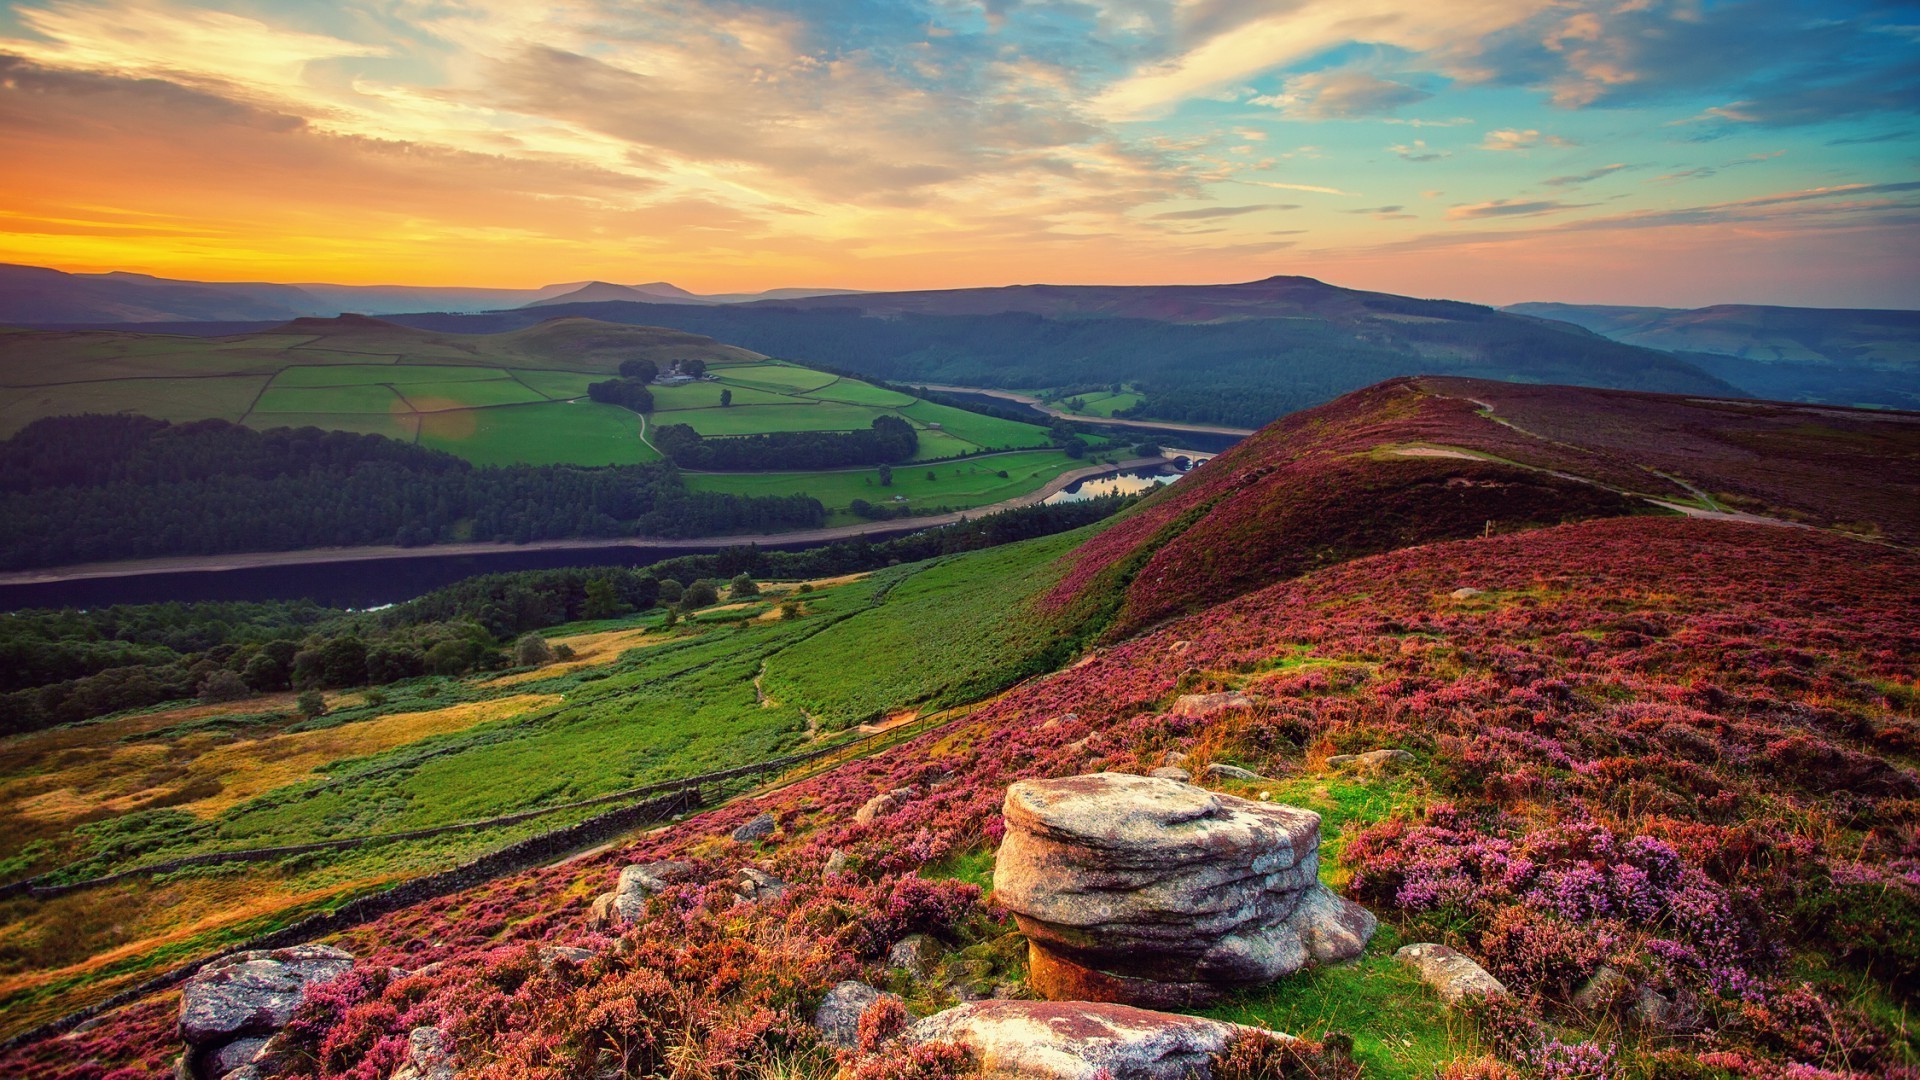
x=1835, y=355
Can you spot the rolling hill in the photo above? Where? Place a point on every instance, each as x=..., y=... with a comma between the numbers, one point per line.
x=1841, y=356
x=1673, y=758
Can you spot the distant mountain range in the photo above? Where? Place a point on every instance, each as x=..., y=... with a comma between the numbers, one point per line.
x=1839, y=355
x=33, y=294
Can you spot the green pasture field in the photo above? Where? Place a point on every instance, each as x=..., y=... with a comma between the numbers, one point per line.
x=961, y=485
x=706, y=395
x=330, y=399
x=854, y=392
x=988, y=432
x=798, y=414
x=550, y=433
x=1105, y=404
x=557, y=385
x=780, y=377
x=395, y=374
x=224, y=398
x=476, y=394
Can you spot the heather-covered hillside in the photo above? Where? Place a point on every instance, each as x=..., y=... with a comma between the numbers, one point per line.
x=1657, y=775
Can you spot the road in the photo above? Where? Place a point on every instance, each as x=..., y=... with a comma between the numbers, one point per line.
x=311, y=556
x=1028, y=399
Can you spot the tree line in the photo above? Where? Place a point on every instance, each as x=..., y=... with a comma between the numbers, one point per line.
x=887, y=439
x=62, y=666
x=84, y=488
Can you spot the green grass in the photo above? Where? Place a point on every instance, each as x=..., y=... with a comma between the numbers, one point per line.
x=989, y=432
x=754, y=419
x=167, y=399
x=957, y=484
x=578, y=432
x=1103, y=404
x=404, y=426
x=1399, y=1027
x=438, y=397
x=854, y=392
x=779, y=377
x=951, y=630
x=330, y=399
x=397, y=374
x=706, y=395
x=558, y=385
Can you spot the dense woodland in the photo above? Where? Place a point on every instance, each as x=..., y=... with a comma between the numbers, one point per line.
x=63, y=666
x=626, y=393
x=889, y=439
x=75, y=489
x=1244, y=373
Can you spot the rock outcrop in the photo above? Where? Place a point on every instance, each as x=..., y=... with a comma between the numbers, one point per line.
x=1372, y=760
x=759, y=828
x=228, y=1010
x=1078, y=1040
x=1151, y=892
x=1196, y=705
x=751, y=885
x=838, y=1018
x=628, y=900
x=1451, y=973
x=429, y=1056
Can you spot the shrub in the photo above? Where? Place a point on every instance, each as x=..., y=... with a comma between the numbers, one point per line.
x=311, y=704
x=532, y=650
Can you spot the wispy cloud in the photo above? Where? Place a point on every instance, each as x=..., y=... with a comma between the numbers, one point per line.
x=1516, y=139
x=1502, y=208
x=1418, y=151
x=1588, y=177
x=1340, y=95
x=1208, y=213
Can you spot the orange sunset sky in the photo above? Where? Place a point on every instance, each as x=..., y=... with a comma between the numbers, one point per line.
x=1638, y=152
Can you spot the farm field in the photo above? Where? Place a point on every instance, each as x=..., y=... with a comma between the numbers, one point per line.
x=1101, y=404
x=957, y=485
x=493, y=399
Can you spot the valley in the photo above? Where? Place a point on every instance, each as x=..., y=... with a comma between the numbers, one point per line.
x=1474, y=572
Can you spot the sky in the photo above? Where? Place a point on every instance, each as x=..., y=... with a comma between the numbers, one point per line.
x=1595, y=151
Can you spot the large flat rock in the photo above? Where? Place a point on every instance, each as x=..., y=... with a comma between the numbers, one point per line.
x=1076, y=1040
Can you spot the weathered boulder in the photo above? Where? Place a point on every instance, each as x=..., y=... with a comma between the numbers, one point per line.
x=1171, y=772
x=1078, y=1040
x=1466, y=592
x=875, y=808
x=1372, y=760
x=836, y=862
x=429, y=1056
x=1196, y=705
x=628, y=900
x=838, y=1018
x=1176, y=758
x=759, y=828
x=1451, y=973
x=1152, y=892
x=1231, y=772
x=247, y=998
x=752, y=886
x=560, y=956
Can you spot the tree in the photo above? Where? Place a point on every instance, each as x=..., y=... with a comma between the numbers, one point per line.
x=742, y=587
x=644, y=370
x=673, y=616
x=223, y=685
x=693, y=366
x=601, y=600
x=311, y=704
x=700, y=594
x=671, y=591
x=532, y=650
x=1075, y=449
x=931, y=476
x=790, y=610
x=726, y=398
x=264, y=673
x=1146, y=449
x=886, y=476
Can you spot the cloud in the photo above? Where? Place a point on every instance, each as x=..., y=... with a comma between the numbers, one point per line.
x=1383, y=213
x=1862, y=140
x=1503, y=208
x=1418, y=151
x=1576, y=179
x=1208, y=213
x=1299, y=187
x=1340, y=95
x=1514, y=139
x=1701, y=172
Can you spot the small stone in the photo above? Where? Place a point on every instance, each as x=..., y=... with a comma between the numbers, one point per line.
x=1179, y=647
x=628, y=901
x=1602, y=991
x=555, y=956
x=875, y=808
x=1169, y=772
x=1451, y=973
x=836, y=862
x=1198, y=705
x=245, y=1072
x=1466, y=593
x=752, y=886
x=838, y=1018
x=1231, y=772
x=1175, y=758
x=759, y=828
x=1372, y=760
x=429, y=1056
x=916, y=954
